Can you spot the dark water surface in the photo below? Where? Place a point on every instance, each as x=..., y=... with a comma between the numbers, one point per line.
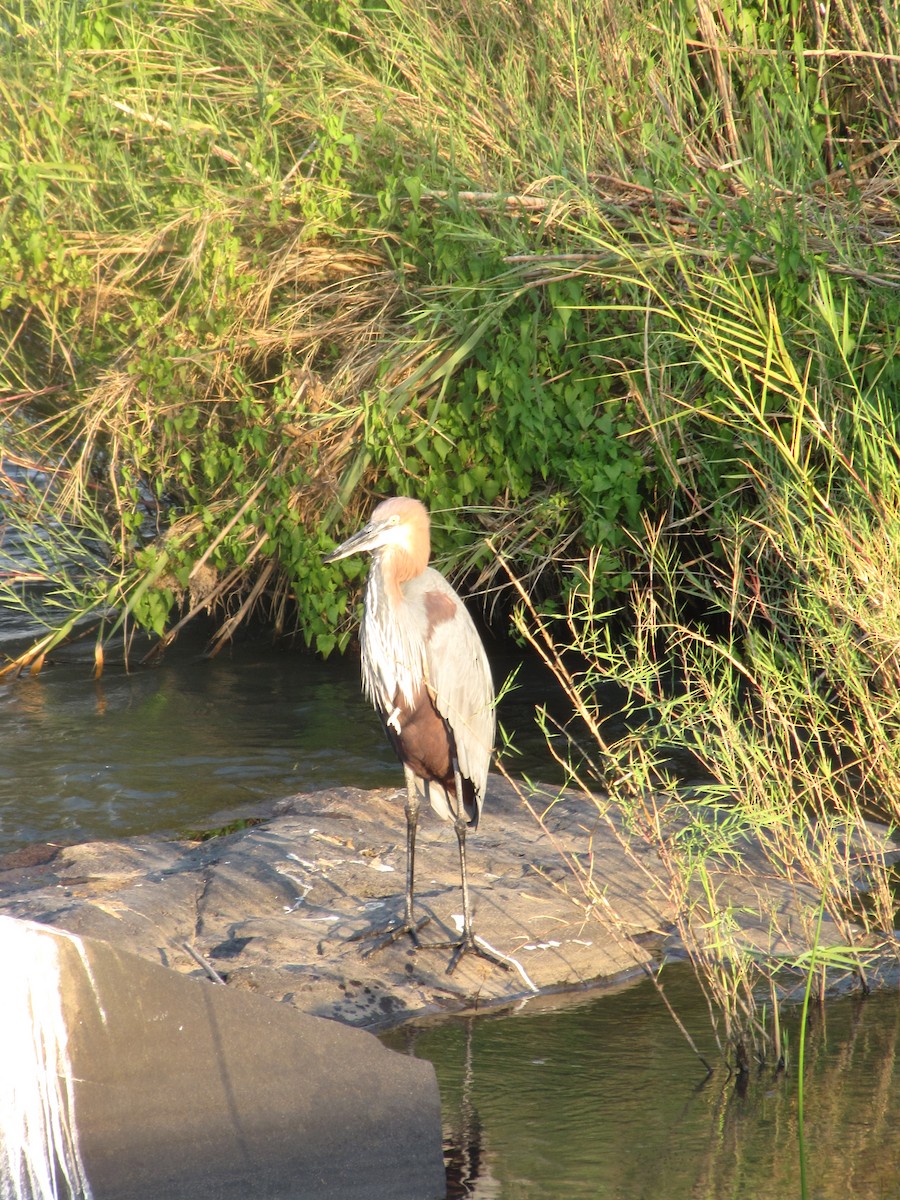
x=172, y=747
x=168, y=747
x=604, y=1100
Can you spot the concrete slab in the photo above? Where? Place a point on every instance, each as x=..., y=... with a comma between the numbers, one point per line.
x=126, y=1081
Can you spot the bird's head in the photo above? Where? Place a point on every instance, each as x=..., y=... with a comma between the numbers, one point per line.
x=399, y=527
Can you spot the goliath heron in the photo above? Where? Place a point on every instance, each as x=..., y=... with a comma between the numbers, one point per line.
x=425, y=670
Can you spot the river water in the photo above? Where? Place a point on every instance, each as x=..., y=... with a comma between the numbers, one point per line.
x=600, y=1098
x=603, y=1100
x=175, y=746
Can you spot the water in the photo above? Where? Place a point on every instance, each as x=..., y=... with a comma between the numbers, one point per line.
x=604, y=1100
x=168, y=747
x=178, y=746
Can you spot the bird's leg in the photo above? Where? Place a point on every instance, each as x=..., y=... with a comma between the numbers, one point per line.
x=412, y=821
x=468, y=944
x=410, y=925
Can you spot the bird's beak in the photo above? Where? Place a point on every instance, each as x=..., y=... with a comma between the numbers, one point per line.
x=367, y=538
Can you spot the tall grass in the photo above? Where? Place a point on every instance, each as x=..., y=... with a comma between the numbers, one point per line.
x=761, y=648
x=352, y=242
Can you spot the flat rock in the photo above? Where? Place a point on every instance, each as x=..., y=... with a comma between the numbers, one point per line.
x=283, y=906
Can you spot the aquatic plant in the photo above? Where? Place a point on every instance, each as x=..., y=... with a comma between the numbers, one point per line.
x=762, y=680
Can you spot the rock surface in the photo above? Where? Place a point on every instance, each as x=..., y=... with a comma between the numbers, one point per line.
x=132, y=1082
x=282, y=907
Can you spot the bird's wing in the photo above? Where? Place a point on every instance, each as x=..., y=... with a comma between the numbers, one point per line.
x=459, y=678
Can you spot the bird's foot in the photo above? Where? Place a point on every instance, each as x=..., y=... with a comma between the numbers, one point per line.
x=390, y=935
x=474, y=945
x=469, y=944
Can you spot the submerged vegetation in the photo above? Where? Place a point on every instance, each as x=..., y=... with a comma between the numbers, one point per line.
x=615, y=289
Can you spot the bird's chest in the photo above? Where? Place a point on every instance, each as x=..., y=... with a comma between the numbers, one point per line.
x=393, y=653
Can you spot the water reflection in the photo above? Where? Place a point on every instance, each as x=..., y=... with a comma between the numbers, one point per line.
x=605, y=1100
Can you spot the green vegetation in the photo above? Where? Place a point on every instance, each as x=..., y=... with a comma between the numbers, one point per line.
x=614, y=289
x=771, y=664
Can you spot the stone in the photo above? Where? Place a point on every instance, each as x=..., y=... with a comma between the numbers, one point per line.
x=283, y=906
x=130, y=1081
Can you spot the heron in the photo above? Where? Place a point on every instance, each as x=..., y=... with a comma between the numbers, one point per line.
x=425, y=670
